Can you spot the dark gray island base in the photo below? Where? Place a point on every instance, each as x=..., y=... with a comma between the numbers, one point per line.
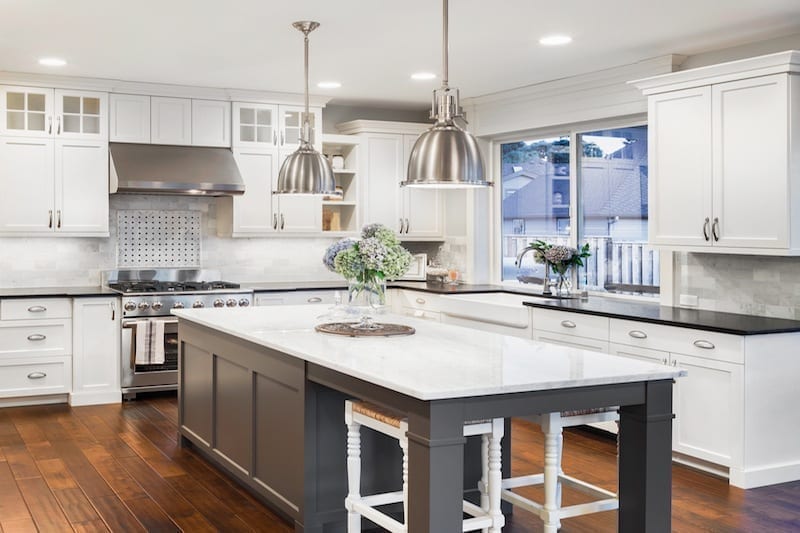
x=275, y=422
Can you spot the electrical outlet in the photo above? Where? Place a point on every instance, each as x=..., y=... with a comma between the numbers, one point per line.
x=689, y=300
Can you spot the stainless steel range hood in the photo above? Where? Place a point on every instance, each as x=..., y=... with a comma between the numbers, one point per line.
x=159, y=169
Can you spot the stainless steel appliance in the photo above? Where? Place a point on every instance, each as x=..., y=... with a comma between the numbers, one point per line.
x=149, y=296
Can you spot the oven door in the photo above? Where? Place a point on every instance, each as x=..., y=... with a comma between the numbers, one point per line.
x=149, y=375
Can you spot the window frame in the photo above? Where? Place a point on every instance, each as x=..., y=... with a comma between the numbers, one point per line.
x=575, y=209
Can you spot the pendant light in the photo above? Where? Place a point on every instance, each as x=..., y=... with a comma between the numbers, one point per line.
x=445, y=156
x=306, y=171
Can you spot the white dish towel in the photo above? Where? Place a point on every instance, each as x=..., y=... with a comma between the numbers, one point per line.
x=143, y=342
x=157, y=342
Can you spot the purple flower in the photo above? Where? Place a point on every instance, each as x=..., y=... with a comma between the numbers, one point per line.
x=333, y=250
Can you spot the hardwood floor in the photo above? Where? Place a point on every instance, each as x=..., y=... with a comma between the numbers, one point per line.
x=119, y=468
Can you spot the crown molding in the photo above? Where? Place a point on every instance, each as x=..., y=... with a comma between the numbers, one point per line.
x=381, y=126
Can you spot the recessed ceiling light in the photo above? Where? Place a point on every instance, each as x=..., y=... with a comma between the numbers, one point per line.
x=52, y=62
x=329, y=85
x=555, y=40
x=422, y=76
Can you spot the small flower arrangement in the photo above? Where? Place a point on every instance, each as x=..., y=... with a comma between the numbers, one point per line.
x=560, y=257
x=377, y=255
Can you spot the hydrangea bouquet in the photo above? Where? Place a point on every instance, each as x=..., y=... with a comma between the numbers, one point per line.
x=560, y=259
x=367, y=263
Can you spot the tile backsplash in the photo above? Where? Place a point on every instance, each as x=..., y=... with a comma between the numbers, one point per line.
x=71, y=261
x=753, y=285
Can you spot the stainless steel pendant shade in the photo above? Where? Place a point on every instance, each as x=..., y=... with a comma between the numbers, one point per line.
x=306, y=171
x=446, y=155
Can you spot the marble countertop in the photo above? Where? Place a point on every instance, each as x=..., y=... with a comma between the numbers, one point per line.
x=56, y=292
x=439, y=361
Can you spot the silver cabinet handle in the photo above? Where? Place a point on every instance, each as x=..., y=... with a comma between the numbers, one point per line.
x=36, y=337
x=568, y=324
x=37, y=309
x=283, y=139
x=314, y=300
x=705, y=229
x=674, y=362
x=37, y=375
x=274, y=221
x=408, y=225
x=113, y=311
x=636, y=334
x=49, y=125
x=50, y=213
x=664, y=361
x=706, y=345
x=283, y=221
x=715, y=229
x=58, y=215
x=275, y=138
x=420, y=301
x=58, y=125
x=401, y=226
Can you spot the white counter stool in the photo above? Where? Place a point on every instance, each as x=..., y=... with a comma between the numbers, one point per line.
x=551, y=512
x=487, y=517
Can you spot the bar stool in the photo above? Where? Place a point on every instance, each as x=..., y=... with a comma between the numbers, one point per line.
x=551, y=512
x=487, y=517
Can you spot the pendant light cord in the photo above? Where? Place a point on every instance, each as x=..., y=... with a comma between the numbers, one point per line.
x=306, y=125
x=445, y=45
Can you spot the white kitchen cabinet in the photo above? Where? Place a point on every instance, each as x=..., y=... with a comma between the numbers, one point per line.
x=54, y=113
x=417, y=304
x=27, y=111
x=414, y=213
x=211, y=123
x=724, y=142
x=326, y=297
x=129, y=118
x=96, y=351
x=81, y=115
x=290, y=120
x=343, y=214
x=170, y=120
x=53, y=187
x=273, y=126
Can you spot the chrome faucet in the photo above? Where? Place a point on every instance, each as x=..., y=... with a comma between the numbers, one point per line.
x=546, y=282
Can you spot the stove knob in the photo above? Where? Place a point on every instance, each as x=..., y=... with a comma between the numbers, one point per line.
x=177, y=305
x=231, y=302
x=219, y=302
x=244, y=302
x=130, y=306
x=198, y=304
x=143, y=306
x=157, y=305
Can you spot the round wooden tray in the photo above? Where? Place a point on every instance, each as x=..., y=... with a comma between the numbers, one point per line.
x=347, y=329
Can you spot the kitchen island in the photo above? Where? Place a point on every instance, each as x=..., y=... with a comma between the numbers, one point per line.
x=261, y=395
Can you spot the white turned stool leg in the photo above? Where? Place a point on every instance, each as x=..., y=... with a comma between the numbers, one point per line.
x=404, y=447
x=353, y=471
x=551, y=427
x=560, y=468
x=495, y=476
x=483, y=485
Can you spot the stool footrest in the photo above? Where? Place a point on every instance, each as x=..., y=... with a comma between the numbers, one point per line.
x=384, y=498
x=374, y=515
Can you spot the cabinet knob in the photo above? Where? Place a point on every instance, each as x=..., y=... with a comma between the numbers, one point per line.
x=37, y=375
x=706, y=345
x=36, y=337
x=636, y=334
x=421, y=301
x=569, y=324
x=37, y=309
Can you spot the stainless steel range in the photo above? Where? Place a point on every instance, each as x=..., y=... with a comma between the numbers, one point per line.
x=149, y=332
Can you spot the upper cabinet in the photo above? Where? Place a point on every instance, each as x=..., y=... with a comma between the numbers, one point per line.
x=170, y=120
x=725, y=157
x=54, y=113
x=129, y=118
x=211, y=123
x=415, y=213
x=273, y=126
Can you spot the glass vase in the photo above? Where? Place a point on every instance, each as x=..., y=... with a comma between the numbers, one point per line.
x=366, y=299
x=563, y=285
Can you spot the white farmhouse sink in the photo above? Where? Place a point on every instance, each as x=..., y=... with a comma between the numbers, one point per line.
x=493, y=307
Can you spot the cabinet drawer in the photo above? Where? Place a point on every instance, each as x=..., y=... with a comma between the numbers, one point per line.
x=591, y=326
x=583, y=343
x=707, y=344
x=421, y=313
x=23, y=377
x=34, y=308
x=427, y=301
x=35, y=337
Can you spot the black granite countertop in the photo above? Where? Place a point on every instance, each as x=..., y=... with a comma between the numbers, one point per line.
x=56, y=292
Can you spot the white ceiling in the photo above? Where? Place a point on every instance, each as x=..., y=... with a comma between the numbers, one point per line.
x=370, y=46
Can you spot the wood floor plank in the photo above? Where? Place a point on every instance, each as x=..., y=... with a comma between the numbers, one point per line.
x=113, y=473
x=94, y=526
x=12, y=505
x=219, y=514
x=24, y=525
x=9, y=436
x=117, y=515
x=21, y=462
x=43, y=506
x=151, y=515
x=152, y=455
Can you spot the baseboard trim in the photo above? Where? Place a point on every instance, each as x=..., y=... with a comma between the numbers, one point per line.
x=763, y=476
x=76, y=399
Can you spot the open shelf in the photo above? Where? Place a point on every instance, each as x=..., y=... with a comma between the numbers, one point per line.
x=342, y=216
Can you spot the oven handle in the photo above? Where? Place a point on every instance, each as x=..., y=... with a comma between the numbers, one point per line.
x=130, y=323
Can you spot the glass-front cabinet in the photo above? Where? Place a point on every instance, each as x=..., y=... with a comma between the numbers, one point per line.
x=273, y=126
x=41, y=112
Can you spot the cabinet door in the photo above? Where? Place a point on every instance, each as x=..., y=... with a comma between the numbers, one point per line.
x=81, y=187
x=81, y=115
x=384, y=168
x=708, y=408
x=255, y=125
x=422, y=208
x=27, y=112
x=751, y=188
x=26, y=179
x=129, y=118
x=679, y=138
x=96, y=351
x=297, y=213
x=211, y=123
x=170, y=120
x=252, y=211
x=291, y=127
